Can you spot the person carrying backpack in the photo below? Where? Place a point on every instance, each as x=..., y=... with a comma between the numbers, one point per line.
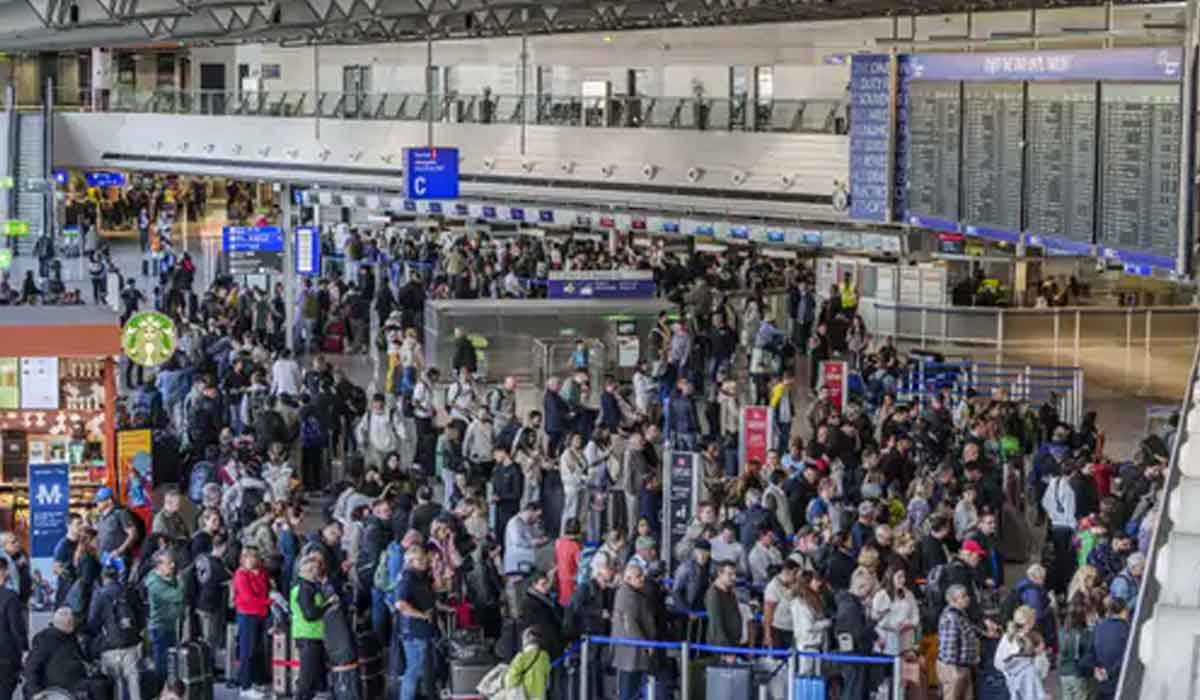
x=115, y=620
x=119, y=532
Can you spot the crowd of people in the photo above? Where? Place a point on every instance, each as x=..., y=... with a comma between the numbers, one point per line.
x=446, y=522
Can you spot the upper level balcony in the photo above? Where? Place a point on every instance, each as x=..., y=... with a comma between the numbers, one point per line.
x=737, y=114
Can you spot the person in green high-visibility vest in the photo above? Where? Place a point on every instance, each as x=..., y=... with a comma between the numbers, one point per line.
x=308, y=601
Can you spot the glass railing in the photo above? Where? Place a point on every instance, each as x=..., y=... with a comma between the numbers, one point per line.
x=619, y=112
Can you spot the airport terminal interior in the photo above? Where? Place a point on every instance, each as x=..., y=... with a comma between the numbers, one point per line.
x=637, y=350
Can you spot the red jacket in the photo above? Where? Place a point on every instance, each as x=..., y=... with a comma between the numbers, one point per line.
x=566, y=564
x=251, y=592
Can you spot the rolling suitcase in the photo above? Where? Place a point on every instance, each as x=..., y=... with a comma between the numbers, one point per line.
x=810, y=688
x=345, y=683
x=194, y=668
x=729, y=682
x=229, y=657
x=465, y=675
x=370, y=664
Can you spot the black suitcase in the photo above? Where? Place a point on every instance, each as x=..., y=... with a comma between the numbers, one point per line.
x=465, y=675
x=729, y=682
x=193, y=666
x=150, y=683
x=370, y=665
x=346, y=685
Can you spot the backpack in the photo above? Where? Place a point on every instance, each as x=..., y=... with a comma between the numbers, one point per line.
x=311, y=432
x=123, y=621
x=203, y=474
x=935, y=594
x=256, y=401
x=1011, y=602
x=585, y=565
x=252, y=498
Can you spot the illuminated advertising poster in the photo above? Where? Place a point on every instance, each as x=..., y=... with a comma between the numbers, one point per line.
x=49, y=501
x=10, y=383
x=135, y=472
x=756, y=433
x=833, y=378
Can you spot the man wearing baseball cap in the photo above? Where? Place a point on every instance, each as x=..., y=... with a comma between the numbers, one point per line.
x=961, y=571
x=117, y=534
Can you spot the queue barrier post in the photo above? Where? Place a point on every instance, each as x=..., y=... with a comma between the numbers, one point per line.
x=585, y=676
x=897, y=678
x=792, y=668
x=685, y=656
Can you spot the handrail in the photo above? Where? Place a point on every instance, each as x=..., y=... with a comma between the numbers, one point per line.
x=1129, y=685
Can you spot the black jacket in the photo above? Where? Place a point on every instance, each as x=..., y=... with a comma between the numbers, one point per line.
x=588, y=609
x=689, y=586
x=547, y=616
x=375, y=538
x=851, y=619
x=14, y=631
x=464, y=355
x=339, y=636
x=55, y=661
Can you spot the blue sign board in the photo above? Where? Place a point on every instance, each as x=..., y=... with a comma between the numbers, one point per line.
x=251, y=239
x=1142, y=63
x=308, y=252
x=461, y=209
x=870, y=136
x=61, y=176
x=812, y=238
x=105, y=179
x=600, y=285
x=775, y=236
x=489, y=212
x=516, y=214
x=49, y=499
x=739, y=232
x=409, y=205
x=435, y=207
x=431, y=173
x=546, y=216
x=670, y=227
x=705, y=230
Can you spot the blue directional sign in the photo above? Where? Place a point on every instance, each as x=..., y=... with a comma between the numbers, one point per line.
x=105, y=179
x=308, y=251
x=253, y=250
x=251, y=239
x=431, y=173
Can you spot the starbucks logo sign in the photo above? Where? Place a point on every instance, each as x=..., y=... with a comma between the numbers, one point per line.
x=149, y=338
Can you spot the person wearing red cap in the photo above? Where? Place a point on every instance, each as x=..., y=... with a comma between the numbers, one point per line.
x=961, y=571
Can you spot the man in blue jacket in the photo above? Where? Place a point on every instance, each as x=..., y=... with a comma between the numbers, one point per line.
x=556, y=414
x=1108, y=648
x=684, y=423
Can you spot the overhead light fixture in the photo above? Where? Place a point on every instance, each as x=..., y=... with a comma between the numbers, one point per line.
x=786, y=180
x=210, y=147
x=183, y=147
x=528, y=165
x=1016, y=34
x=264, y=151
x=567, y=166
x=324, y=153
x=356, y=155
x=489, y=163
x=694, y=174
x=738, y=177
x=608, y=38
x=649, y=171
x=236, y=148
x=387, y=158
x=608, y=170
x=158, y=145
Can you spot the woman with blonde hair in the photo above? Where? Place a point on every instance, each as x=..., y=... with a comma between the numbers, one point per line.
x=1084, y=589
x=869, y=563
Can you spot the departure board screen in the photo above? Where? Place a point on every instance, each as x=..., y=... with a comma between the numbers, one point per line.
x=934, y=124
x=1060, y=161
x=991, y=155
x=1139, y=165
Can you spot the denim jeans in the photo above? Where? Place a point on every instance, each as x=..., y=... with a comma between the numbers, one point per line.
x=629, y=684
x=414, y=666
x=161, y=641
x=250, y=642
x=122, y=666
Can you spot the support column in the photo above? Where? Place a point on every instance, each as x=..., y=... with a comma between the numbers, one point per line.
x=429, y=94
x=286, y=225
x=525, y=102
x=317, y=92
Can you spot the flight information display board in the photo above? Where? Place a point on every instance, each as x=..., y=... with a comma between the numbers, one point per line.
x=991, y=155
x=1060, y=161
x=934, y=135
x=1139, y=165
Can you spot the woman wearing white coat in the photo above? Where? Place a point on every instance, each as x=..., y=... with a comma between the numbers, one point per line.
x=896, y=615
x=572, y=469
x=809, y=623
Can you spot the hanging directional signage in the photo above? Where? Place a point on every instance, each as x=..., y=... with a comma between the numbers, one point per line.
x=253, y=250
x=15, y=227
x=105, y=179
x=431, y=173
x=6, y=258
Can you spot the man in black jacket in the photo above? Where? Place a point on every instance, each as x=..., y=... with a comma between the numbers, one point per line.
x=464, y=353
x=589, y=612
x=542, y=611
x=375, y=536
x=115, y=620
x=14, y=633
x=56, y=661
x=691, y=581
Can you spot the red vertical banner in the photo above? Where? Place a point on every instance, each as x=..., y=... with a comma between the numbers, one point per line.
x=756, y=433
x=833, y=377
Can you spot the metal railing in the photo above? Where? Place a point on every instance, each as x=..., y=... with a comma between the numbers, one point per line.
x=639, y=112
x=1145, y=351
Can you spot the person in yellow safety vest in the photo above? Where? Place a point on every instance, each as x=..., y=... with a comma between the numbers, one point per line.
x=849, y=294
x=308, y=627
